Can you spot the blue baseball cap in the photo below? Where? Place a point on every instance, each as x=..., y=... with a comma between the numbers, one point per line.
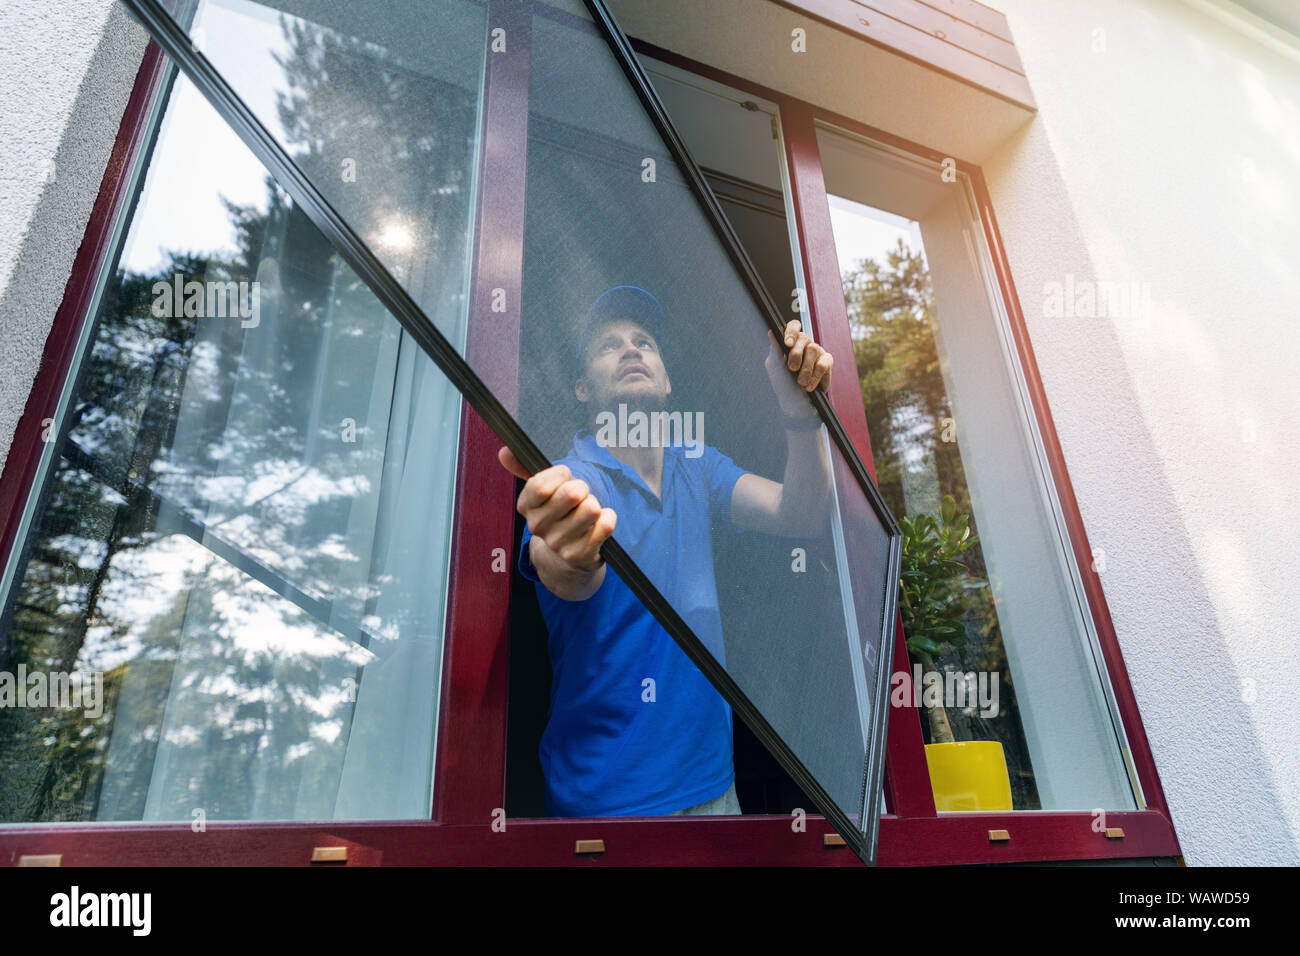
x=621, y=302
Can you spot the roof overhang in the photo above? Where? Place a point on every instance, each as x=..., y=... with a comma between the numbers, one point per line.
x=951, y=81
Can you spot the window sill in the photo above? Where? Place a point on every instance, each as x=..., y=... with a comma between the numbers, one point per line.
x=950, y=840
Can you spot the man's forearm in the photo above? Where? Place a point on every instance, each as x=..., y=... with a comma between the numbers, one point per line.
x=561, y=578
x=806, y=487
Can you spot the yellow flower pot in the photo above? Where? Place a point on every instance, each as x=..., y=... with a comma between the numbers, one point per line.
x=969, y=775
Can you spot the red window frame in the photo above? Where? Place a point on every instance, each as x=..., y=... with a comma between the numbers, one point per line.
x=470, y=771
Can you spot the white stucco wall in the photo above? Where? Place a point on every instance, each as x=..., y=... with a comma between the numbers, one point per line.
x=66, y=71
x=1166, y=150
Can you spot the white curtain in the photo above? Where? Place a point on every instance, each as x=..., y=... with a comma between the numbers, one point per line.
x=264, y=709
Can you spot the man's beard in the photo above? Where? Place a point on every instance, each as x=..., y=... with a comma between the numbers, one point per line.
x=635, y=402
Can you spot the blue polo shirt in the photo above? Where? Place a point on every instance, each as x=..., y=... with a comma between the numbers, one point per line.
x=609, y=749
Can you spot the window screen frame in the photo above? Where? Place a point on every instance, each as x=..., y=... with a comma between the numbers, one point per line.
x=465, y=825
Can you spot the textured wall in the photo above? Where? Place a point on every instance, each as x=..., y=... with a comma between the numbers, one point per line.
x=1167, y=151
x=66, y=71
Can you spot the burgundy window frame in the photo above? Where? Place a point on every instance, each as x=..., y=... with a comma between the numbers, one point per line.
x=470, y=768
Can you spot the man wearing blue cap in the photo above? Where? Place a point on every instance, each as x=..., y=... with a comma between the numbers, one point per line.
x=634, y=727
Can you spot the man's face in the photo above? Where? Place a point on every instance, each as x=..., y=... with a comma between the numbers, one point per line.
x=622, y=364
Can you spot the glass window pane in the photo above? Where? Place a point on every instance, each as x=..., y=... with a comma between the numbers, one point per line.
x=381, y=111
x=242, y=547
x=946, y=421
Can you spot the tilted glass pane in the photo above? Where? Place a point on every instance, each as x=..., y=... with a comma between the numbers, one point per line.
x=380, y=109
x=241, y=551
x=751, y=525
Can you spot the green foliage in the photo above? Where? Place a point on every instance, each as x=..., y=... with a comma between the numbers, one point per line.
x=932, y=598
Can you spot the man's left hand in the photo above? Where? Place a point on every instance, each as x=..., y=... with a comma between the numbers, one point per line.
x=808, y=363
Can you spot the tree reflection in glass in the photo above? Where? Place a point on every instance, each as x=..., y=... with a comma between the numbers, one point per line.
x=918, y=461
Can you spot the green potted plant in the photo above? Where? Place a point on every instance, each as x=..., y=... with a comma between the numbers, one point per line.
x=965, y=775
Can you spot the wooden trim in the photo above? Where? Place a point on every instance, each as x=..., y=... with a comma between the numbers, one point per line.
x=915, y=19
x=907, y=774
x=980, y=56
x=976, y=14
x=470, y=770
x=821, y=270
x=1140, y=748
x=951, y=839
x=963, y=838
x=470, y=766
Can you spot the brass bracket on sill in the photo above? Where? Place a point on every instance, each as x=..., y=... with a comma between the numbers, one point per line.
x=329, y=854
x=589, y=846
x=1114, y=833
x=41, y=859
x=999, y=836
x=832, y=839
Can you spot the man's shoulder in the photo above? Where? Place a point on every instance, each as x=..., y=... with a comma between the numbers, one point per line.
x=702, y=457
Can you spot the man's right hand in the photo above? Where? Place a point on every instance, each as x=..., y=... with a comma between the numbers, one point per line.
x=568, y=525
